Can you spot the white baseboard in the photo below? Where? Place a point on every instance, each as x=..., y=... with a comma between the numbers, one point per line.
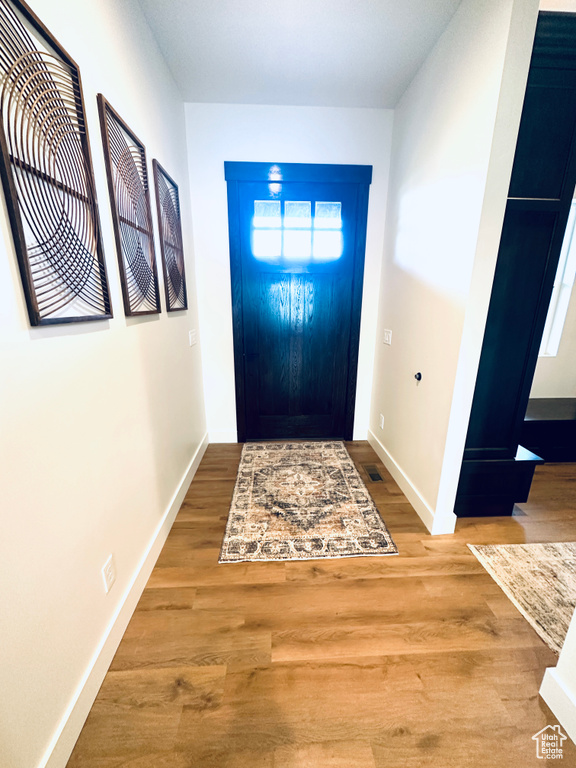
x=67, y=733
x=560, y=700
x=421, y=506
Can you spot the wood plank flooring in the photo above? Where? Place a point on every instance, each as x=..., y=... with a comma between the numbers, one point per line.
x=416, y=661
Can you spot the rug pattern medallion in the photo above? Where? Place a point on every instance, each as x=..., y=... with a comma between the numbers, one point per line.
x=301, y=501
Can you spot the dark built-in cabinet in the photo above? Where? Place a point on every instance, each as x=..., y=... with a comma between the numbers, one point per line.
x=549, y=428
x=497, y=471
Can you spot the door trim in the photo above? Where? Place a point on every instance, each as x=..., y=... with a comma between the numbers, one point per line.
x=238, y=172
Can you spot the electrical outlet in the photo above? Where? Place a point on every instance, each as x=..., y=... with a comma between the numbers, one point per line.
x=192, y=337
x=387, y=336
x=109, y=573
x=381, y=421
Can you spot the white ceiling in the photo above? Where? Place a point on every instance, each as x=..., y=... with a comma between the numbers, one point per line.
x=341, y=53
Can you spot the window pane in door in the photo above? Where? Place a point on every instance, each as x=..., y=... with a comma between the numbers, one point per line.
x=267, y=213
x=267, y=243
x=297, y=244
x=327, y=245
x=298, y=214
x=328, y=216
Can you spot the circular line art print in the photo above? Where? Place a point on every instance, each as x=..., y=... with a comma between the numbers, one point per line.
x=130, y=201
x=48, y=180
x=168, y=204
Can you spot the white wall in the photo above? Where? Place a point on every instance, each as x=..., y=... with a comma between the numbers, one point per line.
x=218, y=132
x=558, y=5
x=559, y=685
x=102, y=423
x=454, y=136
x=556, y=376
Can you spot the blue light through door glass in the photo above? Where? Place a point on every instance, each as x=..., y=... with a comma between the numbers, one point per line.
x=267, y=229
x=297, y=230
x=328, y=242
x=287, y=230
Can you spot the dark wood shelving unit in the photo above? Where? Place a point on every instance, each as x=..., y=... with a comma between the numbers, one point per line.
x=497, y=468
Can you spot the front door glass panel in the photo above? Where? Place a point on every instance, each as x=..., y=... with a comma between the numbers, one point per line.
x=296, y=231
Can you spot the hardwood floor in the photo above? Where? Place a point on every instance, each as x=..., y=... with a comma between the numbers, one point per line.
x=415, y=661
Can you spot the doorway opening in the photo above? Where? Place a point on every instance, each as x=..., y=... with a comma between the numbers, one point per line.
x=549, y=428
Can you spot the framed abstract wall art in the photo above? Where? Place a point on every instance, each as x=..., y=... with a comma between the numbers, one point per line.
x=130, y=201
x=168, y=203
x=47, y=176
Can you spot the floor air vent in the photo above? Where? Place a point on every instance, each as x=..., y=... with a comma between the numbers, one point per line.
x=373, y=473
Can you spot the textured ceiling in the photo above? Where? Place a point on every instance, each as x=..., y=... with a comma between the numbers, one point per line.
x=342, y=53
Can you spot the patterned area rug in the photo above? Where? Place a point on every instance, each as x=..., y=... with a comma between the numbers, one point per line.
x=301, y=501
x=540, y=579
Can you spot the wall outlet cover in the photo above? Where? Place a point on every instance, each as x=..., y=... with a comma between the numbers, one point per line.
x=381, y=421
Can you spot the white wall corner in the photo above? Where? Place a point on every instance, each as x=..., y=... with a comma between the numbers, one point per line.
x=507, y=121
x=558, y=688
x=71, y=724
x=223, y=436
x=561, y=700
x=436, y=524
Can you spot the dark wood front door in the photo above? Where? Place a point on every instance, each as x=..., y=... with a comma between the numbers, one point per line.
x=297, y=255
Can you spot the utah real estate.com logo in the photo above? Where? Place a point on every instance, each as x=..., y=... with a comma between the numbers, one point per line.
x=549, y=743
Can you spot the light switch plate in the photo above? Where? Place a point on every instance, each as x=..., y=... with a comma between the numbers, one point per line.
x=387, y=336
x=192, y=337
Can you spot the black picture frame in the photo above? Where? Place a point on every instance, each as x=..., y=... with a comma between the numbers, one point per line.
x=125, y=158
x=170, y=225
x=47, y=177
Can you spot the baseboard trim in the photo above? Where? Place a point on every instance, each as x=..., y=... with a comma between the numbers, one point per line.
x=67, y=733
x=421, y=506
x=560, y=700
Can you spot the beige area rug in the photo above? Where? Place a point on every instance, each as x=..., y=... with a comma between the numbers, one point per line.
x=301, y=501
x=540, y=579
